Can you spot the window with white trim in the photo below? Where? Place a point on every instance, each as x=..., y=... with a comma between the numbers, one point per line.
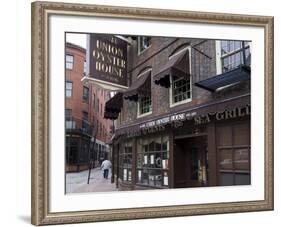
x=69, y=60
x=181, y=89
x=231, y=53
x=68, y=89
x=125, y=161
x=145, y=106
x=143, y=43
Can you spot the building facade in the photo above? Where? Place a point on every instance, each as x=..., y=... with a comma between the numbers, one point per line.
x=87, y=132
x=185, y=119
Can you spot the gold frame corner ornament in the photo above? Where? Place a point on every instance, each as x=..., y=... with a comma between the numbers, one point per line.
x=40, y=205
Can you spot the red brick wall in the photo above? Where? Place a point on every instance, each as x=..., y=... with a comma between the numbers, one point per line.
x=76, y=103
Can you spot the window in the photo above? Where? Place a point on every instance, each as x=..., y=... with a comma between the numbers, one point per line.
x=98, y=105
x=85, y=122
x=143, y=43
x=68, y=89
x=69, y=60
x=85, y=94
x=152, y=161
x=97, y=130
x=144, y=105
x=94, y=101
x=181, y=89
x=72, y=150
x=70, y=123
x=125, y=161
x=85, y=66
x=231, y=53
x=101, y=109
x=234, y=154
x=68, y=114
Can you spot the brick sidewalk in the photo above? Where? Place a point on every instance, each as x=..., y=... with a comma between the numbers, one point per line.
x=77, y=182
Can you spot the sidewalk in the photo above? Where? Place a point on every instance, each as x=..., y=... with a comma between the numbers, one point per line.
x=77, y=182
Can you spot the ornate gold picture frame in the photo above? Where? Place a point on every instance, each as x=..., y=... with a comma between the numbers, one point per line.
x=41, y=68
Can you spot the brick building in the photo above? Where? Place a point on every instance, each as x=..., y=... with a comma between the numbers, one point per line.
x=185, y=119
x=87, y=132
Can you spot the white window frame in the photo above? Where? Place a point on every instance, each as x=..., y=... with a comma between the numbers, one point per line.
x=144, y=114
x=72, y=62
x=138, y=103
x=219, y=56
x=70, y=82
x=172, y=104
x=139, y=44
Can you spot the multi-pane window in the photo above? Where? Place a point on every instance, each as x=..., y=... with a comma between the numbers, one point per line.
x=234, y=154
x=94, y=101
x=69, y=60
x=152, y=161
x=85, y=94
x=125, y=161
x=68, y=88
x=68, y=114
x=69, y=122
x=232, y=54
x=97, y=127
x=145, y=105
x=181, y=89
x=98, y=105
x=143, y=43
x=72, y=150
x=85, y=120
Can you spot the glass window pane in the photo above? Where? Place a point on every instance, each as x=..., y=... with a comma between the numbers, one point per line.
x=226, y=162
x=226, y=179
x=145, y=176
x=165, y=179
x=155, y=178
x=69, y=61
x=242, y=179
x=241, y=159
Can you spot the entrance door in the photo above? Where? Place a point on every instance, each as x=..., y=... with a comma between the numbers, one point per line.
x=190, y=162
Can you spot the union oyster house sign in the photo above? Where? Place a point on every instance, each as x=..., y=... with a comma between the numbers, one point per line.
x=107, y=57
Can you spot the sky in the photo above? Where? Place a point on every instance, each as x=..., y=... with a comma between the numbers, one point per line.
x=76, y=38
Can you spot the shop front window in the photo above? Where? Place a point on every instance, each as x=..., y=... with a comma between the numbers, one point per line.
x=234, y=154
x=125, y=161
x=71, y=150
x=152, y=162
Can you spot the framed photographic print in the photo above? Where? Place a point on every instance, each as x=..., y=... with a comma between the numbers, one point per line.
x=149, y=113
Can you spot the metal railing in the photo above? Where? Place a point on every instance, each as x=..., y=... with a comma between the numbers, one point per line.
x=78, y=125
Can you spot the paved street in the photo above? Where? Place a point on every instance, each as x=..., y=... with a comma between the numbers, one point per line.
x=77, y=182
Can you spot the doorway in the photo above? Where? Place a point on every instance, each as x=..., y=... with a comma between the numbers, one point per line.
x=190, y=162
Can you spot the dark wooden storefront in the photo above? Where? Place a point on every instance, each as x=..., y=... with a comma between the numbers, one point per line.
x=212, y=150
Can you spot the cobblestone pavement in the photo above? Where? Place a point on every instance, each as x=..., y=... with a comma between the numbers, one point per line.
x=77, y=182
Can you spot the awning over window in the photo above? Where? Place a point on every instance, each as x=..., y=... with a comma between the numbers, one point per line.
x=141, y=87
x=229, y=78
x=113, y=106
x=177, y=65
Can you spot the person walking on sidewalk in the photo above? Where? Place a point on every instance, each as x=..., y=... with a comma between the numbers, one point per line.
x=105, y=166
